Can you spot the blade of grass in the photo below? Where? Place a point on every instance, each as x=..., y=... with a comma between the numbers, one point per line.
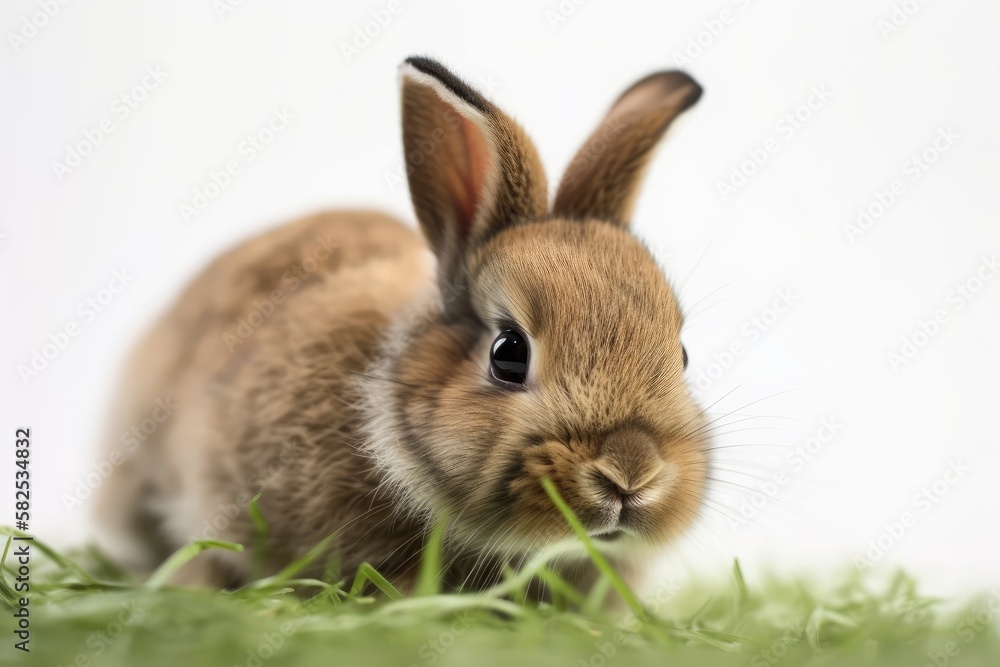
x=595, y=598
x=598, y=559
x=296, y=566
x=51, y=554
x=717, y=639
x=179, y=558
x=445, y=605
x=518, y=582
x=819, y=616
x=104, y=565
x=259, y=536
x=429, y=578
x=561, y=586
x=83, y=586
x=742, y=592
x=520, y=593
x=368, y=574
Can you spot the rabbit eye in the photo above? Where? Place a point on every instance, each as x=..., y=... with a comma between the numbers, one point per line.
x=685, y=353
x=509, y=357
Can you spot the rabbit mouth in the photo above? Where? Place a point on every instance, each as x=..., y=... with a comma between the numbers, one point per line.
x=610, y=535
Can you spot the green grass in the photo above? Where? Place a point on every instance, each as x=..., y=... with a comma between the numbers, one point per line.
x=84, y=612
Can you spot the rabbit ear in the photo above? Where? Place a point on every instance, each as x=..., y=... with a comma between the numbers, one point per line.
x=472, y=171
x=603, y=179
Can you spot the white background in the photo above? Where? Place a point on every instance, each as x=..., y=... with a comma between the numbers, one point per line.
x=891, y=92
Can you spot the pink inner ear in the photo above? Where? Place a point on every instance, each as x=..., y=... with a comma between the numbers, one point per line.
x=472, y=178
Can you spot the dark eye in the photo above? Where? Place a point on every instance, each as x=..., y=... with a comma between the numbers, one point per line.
x=685, y=353
x=509, y=357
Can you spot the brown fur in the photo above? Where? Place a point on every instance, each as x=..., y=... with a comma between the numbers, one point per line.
x=363, y=402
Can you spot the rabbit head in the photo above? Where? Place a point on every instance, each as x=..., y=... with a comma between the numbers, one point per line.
x=553, y=349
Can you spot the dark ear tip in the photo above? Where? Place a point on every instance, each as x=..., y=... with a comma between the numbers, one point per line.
x=435, y=69
x=682, y=80
x=679, y=79
x=675, y=85
x=423, y=63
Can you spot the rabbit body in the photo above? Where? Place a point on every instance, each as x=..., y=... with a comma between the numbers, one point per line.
x=368, y=380
x=271, y=409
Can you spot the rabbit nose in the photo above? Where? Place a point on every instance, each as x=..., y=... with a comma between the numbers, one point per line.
x=628, y=463
x=629, y=458
x=614, y=481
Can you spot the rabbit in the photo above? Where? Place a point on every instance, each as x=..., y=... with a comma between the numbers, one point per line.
x=369, y=379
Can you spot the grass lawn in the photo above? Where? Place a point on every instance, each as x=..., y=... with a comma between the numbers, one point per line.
x=83, y=612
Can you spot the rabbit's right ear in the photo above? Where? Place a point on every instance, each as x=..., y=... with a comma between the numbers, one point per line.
x=603, y=179
x=472, y=170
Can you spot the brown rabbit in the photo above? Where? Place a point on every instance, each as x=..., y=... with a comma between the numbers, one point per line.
x=323, y=366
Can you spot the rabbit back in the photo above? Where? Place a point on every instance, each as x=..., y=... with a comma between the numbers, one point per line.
x=254, y=372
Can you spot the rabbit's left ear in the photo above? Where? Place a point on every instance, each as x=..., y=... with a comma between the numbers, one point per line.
x=603, y=179
x=472, y=170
